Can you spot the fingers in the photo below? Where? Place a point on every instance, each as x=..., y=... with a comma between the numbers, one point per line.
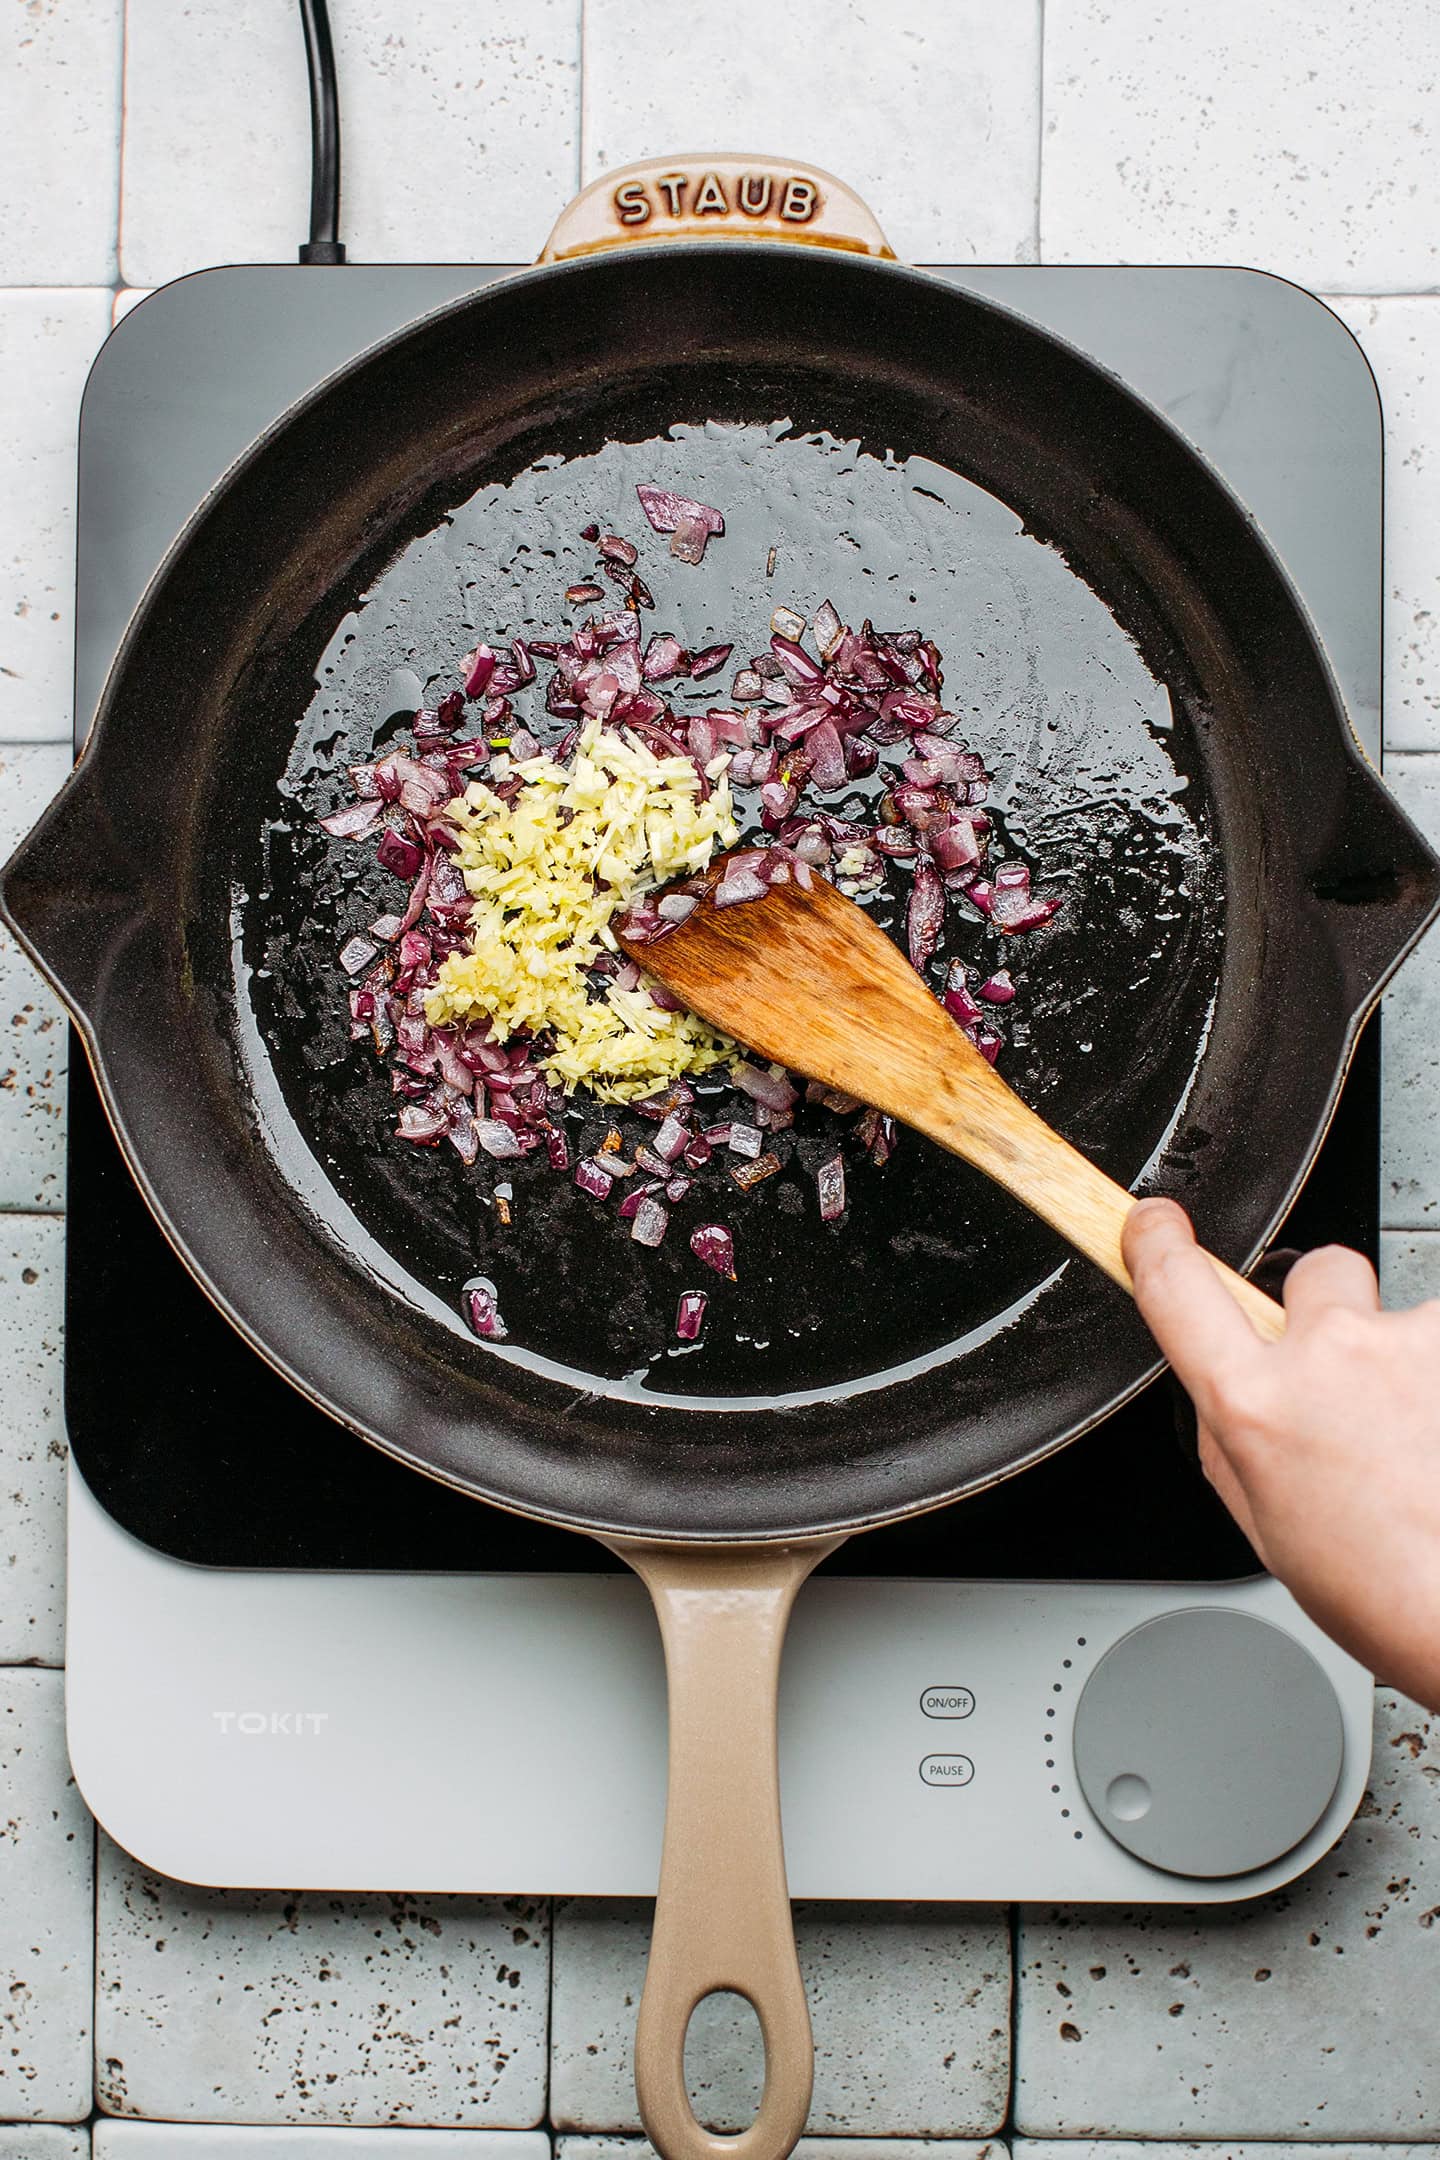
x=1189, y=1311
x=1330, y=1276
x=1218, y=1469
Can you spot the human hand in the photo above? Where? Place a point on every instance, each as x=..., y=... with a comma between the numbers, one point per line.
x=1325, y=1446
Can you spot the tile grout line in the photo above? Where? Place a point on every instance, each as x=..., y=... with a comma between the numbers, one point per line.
x=1040, y=134
x=120, y=143
x=580, y=143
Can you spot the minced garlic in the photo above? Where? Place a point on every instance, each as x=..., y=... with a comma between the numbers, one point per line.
x=579, y=843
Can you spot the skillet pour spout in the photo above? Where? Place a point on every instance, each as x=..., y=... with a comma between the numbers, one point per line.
x=1376, y=883
x=74, y=892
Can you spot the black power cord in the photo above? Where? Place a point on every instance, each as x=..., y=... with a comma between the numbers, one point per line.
x=324, y=244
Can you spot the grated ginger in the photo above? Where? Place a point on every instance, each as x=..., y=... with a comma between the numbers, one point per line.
x=545, y=886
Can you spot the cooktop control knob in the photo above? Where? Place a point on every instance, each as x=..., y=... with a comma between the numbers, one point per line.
x=1214, y=1779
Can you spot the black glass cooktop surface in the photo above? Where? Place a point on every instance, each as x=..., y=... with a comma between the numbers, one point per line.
x=193, y=1444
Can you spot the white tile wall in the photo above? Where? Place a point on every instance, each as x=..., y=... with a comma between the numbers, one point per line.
x=909, y=2006
x=928, y=107
x=47, y=341
x=1296, y=137
x=42, y=2141
x=1411, y=1094
x=809, y=2148
x=219, y=2141
x=33, y=1052
x=46, y=1887
x=32, y=1441
x=1401, y=340
x=215, y=2005
x=59, y=136
x=1288, y=137
x=1309, y=2014
x=460, y=131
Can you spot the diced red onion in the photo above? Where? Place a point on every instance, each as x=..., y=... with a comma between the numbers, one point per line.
x=925, y=916
x=665, y=510
x=664, y=657
x=480, y=1304
x=829, y=770
x=652, y=1220
x=763, y=1086
x=713, y=1244
x=479, y=667
x=739, y=885
x=497, y=1139
x=670, y=1140
x=420, y=1122
x=830, y=1185
x=709, y=661
x=355, y=820
x=690, y=1315
x=356, y=953
x=634, y=1199
x=615, y=549
x=397, y=853
x=747, y=1175
x=688, y=541
x=828, y=629
x=998, y=990
x=593, y=1178
x=745, y=1139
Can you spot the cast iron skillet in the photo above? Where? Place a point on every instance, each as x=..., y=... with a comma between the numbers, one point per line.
x=169, y=881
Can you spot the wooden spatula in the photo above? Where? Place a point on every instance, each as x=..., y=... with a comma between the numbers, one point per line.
x=805, y=977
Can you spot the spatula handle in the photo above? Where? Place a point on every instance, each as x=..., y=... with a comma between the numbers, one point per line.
x=1028, y=1157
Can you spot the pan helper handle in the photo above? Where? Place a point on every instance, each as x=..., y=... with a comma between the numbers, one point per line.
x=717, y=195
x=722, y=1917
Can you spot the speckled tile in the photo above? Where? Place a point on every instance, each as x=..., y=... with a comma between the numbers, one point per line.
x=909, y=2003
x=59, y=137
x=1298, y=140
x=928, y=108
x=1309, y=2014
x=1158, y=2149
x=32, y=1441
x=33, y=1035
x=1401, y=341
x=1409, y=1266
x=228, y=2141
x=809, y=2148
x=460, y=129
x=1410, y=1114
x=47, y=1942
x=47, y=341
x=278, y=2007
x=43, y=2141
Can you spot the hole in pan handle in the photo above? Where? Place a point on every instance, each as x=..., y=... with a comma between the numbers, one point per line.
x=722, y=1916
x=716, y=195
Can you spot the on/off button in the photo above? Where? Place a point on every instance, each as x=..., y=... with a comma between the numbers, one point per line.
x=947, y=1770
x=947, y=1702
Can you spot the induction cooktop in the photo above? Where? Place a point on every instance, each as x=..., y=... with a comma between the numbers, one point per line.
x=259, y=1602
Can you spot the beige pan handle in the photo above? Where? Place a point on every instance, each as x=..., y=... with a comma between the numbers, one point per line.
x=716, y=196
x=722, y=1917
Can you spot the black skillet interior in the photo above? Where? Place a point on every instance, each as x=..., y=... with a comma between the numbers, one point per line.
x=1171, y=750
